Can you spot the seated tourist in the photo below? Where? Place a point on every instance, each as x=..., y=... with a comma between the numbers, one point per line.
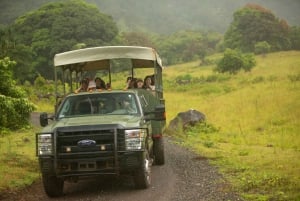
x=83, y=86
x=91, y=86
x=149, y=84
x=140, y=84
x=100, y=84
x=130, y=83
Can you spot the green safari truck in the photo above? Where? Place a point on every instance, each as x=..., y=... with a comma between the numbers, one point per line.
x=105, y=131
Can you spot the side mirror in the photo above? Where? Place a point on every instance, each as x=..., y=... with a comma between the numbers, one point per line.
x=43, y=119
x=159, y=114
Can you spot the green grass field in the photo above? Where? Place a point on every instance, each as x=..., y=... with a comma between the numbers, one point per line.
x=251, y=134
x=255, y=119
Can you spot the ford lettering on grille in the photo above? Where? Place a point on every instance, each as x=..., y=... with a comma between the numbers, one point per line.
x=86, y=143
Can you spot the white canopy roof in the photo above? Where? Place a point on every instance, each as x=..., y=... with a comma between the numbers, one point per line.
x=98, y=58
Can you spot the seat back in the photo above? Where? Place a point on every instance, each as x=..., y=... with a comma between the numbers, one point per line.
x=84, y=108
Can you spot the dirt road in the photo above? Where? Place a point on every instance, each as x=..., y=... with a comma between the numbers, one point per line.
x=184, y=177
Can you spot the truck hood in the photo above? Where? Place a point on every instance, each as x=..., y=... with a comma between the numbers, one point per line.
x=126, y=121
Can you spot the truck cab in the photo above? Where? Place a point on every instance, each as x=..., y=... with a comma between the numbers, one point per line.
x=102, y=131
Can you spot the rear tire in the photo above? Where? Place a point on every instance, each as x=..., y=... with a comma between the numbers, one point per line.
x=142, y=177
x=53, y=185
x=158, y=151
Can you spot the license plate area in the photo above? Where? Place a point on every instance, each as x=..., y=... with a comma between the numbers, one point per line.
x=87, y=166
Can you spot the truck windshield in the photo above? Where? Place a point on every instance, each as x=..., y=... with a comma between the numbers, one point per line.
x=99, y=104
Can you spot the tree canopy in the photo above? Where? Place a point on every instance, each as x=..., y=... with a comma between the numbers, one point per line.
x=295, y=37
x=184, y=46
x=58, y=27
x=164, y=17
x=253, y=24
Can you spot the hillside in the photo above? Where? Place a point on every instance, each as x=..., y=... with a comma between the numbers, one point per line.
x=165, y=16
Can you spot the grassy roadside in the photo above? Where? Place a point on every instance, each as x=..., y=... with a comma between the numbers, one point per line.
x=253, y=123
x=18, y=164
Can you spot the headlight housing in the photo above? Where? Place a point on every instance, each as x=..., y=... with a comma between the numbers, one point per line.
x=134, y=139
x=44, y=144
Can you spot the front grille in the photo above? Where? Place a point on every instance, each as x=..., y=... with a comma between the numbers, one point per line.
x=68, y=147
x=101, y=156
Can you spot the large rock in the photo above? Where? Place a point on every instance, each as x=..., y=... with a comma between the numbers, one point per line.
x=185, y=119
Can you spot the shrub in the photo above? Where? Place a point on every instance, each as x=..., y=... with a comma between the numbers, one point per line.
x=14, y=112
x=262, y=47
x=294, y=78
x=233, y=61
x=15, y=109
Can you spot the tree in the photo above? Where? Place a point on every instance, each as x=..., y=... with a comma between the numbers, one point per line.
x=262, y=47
x=294, y=36
x=15, y=109
x=20, y=53
x=137, y=38
x=233, y=61
x=186, y=46
x=253, y=24
x=60, y=26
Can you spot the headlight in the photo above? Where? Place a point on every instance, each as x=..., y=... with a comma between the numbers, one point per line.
x=134, y=139
x=45, y=144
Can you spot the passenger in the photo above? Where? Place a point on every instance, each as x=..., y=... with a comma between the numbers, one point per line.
x=92, y=86
x=130, y=83
x=140, y=84
x=100, y=84
x=108, y=86
x=149, y=84
x=83, y=86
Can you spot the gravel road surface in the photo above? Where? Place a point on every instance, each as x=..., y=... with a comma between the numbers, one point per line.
x=184, y=177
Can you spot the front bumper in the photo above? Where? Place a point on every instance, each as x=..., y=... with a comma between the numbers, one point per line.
x=127, y=162
x=107, y=155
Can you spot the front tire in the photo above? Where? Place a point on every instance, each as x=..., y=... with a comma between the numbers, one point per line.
x=53, y=185
x=142, y=177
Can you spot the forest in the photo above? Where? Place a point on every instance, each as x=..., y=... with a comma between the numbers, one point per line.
x=165, y=17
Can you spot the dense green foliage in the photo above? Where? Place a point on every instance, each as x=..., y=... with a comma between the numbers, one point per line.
x=295, y=37
x=233, y=61
x=253, y=24
x=187, y=46
x=15, y=109
x=262, y=47
x=58, y=27
x=164, y=17
x=20, y=53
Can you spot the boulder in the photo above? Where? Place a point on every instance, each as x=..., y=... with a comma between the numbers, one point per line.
x=186, y=119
